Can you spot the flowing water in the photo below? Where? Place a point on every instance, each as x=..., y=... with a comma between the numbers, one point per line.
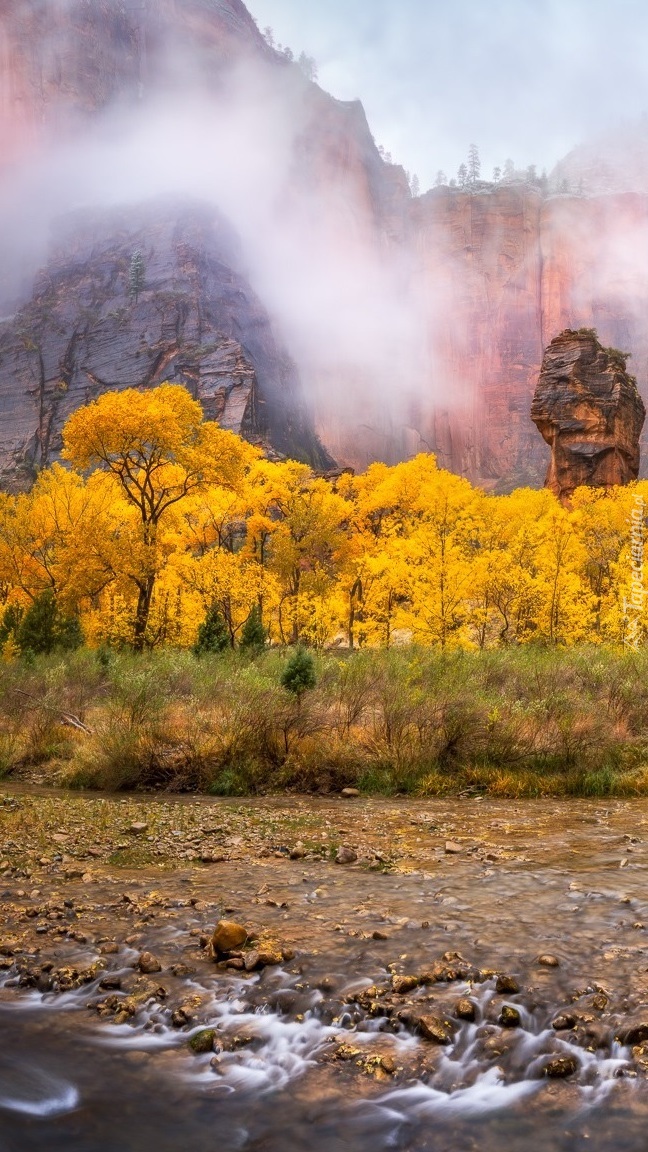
x=319, y=1052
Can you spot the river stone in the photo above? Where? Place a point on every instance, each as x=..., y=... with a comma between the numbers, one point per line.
x=403, y=984
x=452, y=848
x=228, y=935
x=298, y=852
x=507, y=985
x=203, y=1041
x=500, y=1044
x=435, y=1028
x=465, y=1009
x=560, y=1067
x=388, y=1064
x=138, y=826
x=349, y=793
x=346, y=856
x=564, y=1021
x=269, y=956
x=110, y=983
x=181, y=970
x=593, y=1034
x=148, y=963
x=548, y=961
x=251, y=960
x=635, y=1034
x=510, y=1017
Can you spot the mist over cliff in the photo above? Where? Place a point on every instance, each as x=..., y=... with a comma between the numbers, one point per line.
x=398, y=323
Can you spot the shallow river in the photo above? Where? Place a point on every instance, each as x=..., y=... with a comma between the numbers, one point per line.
x=298, y=1045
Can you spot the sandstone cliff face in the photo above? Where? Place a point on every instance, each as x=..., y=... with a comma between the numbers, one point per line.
x=74, y=71
x=188, y=318
x=588, y=410
x=501, y=272
x=64, y=61
x=479, y=274
x=448, y=299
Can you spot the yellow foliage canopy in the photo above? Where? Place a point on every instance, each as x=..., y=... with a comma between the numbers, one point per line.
x=164, y=515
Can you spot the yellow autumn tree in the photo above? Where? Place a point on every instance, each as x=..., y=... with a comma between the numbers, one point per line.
x=54, y=537
x=296, y=530
x=157, y=450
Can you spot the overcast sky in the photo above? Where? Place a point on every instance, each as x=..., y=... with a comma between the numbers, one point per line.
x=525, y=79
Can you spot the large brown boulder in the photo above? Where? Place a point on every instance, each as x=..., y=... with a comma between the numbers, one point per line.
x=590, y=413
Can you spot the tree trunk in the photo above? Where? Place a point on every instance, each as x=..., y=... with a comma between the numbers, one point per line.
x=144, y=598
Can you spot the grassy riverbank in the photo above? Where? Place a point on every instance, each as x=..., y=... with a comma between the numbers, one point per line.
x=520, y=722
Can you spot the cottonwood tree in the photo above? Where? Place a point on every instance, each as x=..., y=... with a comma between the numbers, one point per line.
x=158, y=451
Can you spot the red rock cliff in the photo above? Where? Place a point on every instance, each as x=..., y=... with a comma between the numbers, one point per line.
x=501, y=272
x=442, y=305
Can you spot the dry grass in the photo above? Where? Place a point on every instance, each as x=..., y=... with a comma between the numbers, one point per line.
x=512, y=723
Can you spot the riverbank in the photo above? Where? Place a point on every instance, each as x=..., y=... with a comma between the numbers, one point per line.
x=521, y=722
x=462, y=960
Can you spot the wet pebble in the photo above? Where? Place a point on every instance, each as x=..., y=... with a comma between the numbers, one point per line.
x=506, y=985
x=436, y=1029
x=564, y=1022
x=465, y=1009
x=635, y=1034
x=346, y=855
x=228, y=935
x=203, y=1041
x=510, y=1017
x=148, y=963
x=403, y=984
x=560, y=1067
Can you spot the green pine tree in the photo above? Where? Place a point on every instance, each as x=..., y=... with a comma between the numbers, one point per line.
x=253, y=634
x=213, y=635
x=10, y=622
x=44, y=627
x=299, y=674
x=68, y=633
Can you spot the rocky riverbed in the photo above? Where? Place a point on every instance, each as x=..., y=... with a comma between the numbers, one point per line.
x=322, y=973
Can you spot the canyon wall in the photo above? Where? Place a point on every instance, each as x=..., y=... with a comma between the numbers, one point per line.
x=133, y=298
x=390, y=324
x=502, y=272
